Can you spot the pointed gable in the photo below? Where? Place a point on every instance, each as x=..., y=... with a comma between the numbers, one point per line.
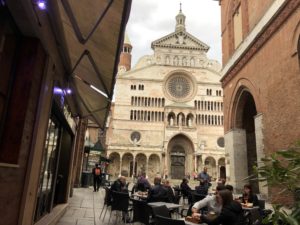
x=183, y=40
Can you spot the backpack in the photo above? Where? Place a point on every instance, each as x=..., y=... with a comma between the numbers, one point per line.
x=97, y=171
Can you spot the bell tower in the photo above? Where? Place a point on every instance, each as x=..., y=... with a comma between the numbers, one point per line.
x=180, y=21
x=125, y=56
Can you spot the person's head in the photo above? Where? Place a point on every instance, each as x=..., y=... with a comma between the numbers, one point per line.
x=224, y=197
x=205, y=169
x=96, y=165
x=157, y=180
x=229, y=187
x=122, y=179
x=220, y=188
x=167, y=183
x=247, y=189
x=143, y=174
x=185, y=181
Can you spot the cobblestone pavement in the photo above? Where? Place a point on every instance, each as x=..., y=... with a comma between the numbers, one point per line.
x=84, y=208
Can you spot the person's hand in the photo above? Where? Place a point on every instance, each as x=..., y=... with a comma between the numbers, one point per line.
x=196, y=216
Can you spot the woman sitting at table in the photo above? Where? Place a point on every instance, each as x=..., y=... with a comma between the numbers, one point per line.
x=248, y=196
x=231, y=214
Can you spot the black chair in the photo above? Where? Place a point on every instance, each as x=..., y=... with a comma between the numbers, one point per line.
x=120, y=202
x=252, y=216
x=161, y=211
x=197, y=197
x=107, y=202
x=160, y=220
x=141, y=187
x=141, y=212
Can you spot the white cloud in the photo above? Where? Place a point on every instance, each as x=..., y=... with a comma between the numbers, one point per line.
x=153, y=19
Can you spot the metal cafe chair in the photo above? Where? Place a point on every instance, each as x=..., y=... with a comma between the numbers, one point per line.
x=107, y=202
x=141, y=212
x=120, y=202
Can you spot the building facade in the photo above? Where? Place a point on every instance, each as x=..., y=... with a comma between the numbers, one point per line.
x=167, y=117
x=261, y=80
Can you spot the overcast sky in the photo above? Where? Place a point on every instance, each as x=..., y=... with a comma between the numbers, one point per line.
x=152, y=19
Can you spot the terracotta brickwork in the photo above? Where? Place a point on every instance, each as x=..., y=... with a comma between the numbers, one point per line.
x=268, y=69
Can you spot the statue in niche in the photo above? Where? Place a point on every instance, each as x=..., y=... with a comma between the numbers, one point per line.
x=171, y=121
x=179, y=120
x=189, y=122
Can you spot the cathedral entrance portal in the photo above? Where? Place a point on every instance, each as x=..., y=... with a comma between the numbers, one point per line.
x=180, y=156
x=177, y=162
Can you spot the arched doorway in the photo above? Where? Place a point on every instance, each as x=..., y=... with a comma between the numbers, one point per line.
x=127, y=166
x=210, y=164
x=177, y=162
x=114, y=166
x=180, y=155
x=222, y=168
x=245, y=116
x=153, y=166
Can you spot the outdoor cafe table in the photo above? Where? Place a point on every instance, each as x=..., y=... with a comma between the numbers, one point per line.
x=191, y=223
x=167, y=204
x=140, y=196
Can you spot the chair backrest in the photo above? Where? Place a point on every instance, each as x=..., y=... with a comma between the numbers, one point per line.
x=120, y=201
x=261, y=204
x=197, y=197
x=107, y=197
x=141, y=187
x=160, y=220
x=161, y=211
x=141, y=211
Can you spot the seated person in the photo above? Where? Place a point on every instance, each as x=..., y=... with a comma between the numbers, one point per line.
x=210, y=202
x=231, y=213
x=186, y=190
x=170, y=191
x=248, y=196
x=119, y=185
x=143, y=183
x=201, y=189
x=229, y=187
x=157, y=193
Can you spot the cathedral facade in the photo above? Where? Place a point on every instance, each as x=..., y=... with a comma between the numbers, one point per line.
x=167, y=117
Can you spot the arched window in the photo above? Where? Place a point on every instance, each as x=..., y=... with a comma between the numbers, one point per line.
x=131, y=115
x=176, y=61
x=192, y=62
x=163, y=102
x=167, y=60
x=132, y=99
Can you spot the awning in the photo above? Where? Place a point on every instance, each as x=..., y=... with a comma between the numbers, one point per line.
x=93, y=34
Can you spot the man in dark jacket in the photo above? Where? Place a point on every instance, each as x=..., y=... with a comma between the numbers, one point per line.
x=157, y=193
x=97, y=177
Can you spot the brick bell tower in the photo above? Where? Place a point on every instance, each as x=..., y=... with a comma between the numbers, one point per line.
x=125, y=56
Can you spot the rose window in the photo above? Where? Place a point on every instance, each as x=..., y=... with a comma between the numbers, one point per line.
x=179, y=87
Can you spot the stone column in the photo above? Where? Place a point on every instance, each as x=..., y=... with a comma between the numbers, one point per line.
x=133, y=167
x=121, y=156
x=147, y=166
x=196, y=163
x=258, y=121
x=236, y=149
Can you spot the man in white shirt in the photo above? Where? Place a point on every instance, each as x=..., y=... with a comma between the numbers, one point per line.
x=210, y=201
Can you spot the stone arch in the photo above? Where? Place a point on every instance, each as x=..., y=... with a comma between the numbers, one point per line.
x=171, y=119
x=180, y=119
x=243, y=116
x=222, y=168
x=190, y=119
x=153, y=166
x=127, y=164
x=141, y=163
x=241, y=86
x=210, y=164
x=114, y=166
x=180, y=156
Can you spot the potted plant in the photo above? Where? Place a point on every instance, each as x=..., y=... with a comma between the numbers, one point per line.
x=282, y=169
